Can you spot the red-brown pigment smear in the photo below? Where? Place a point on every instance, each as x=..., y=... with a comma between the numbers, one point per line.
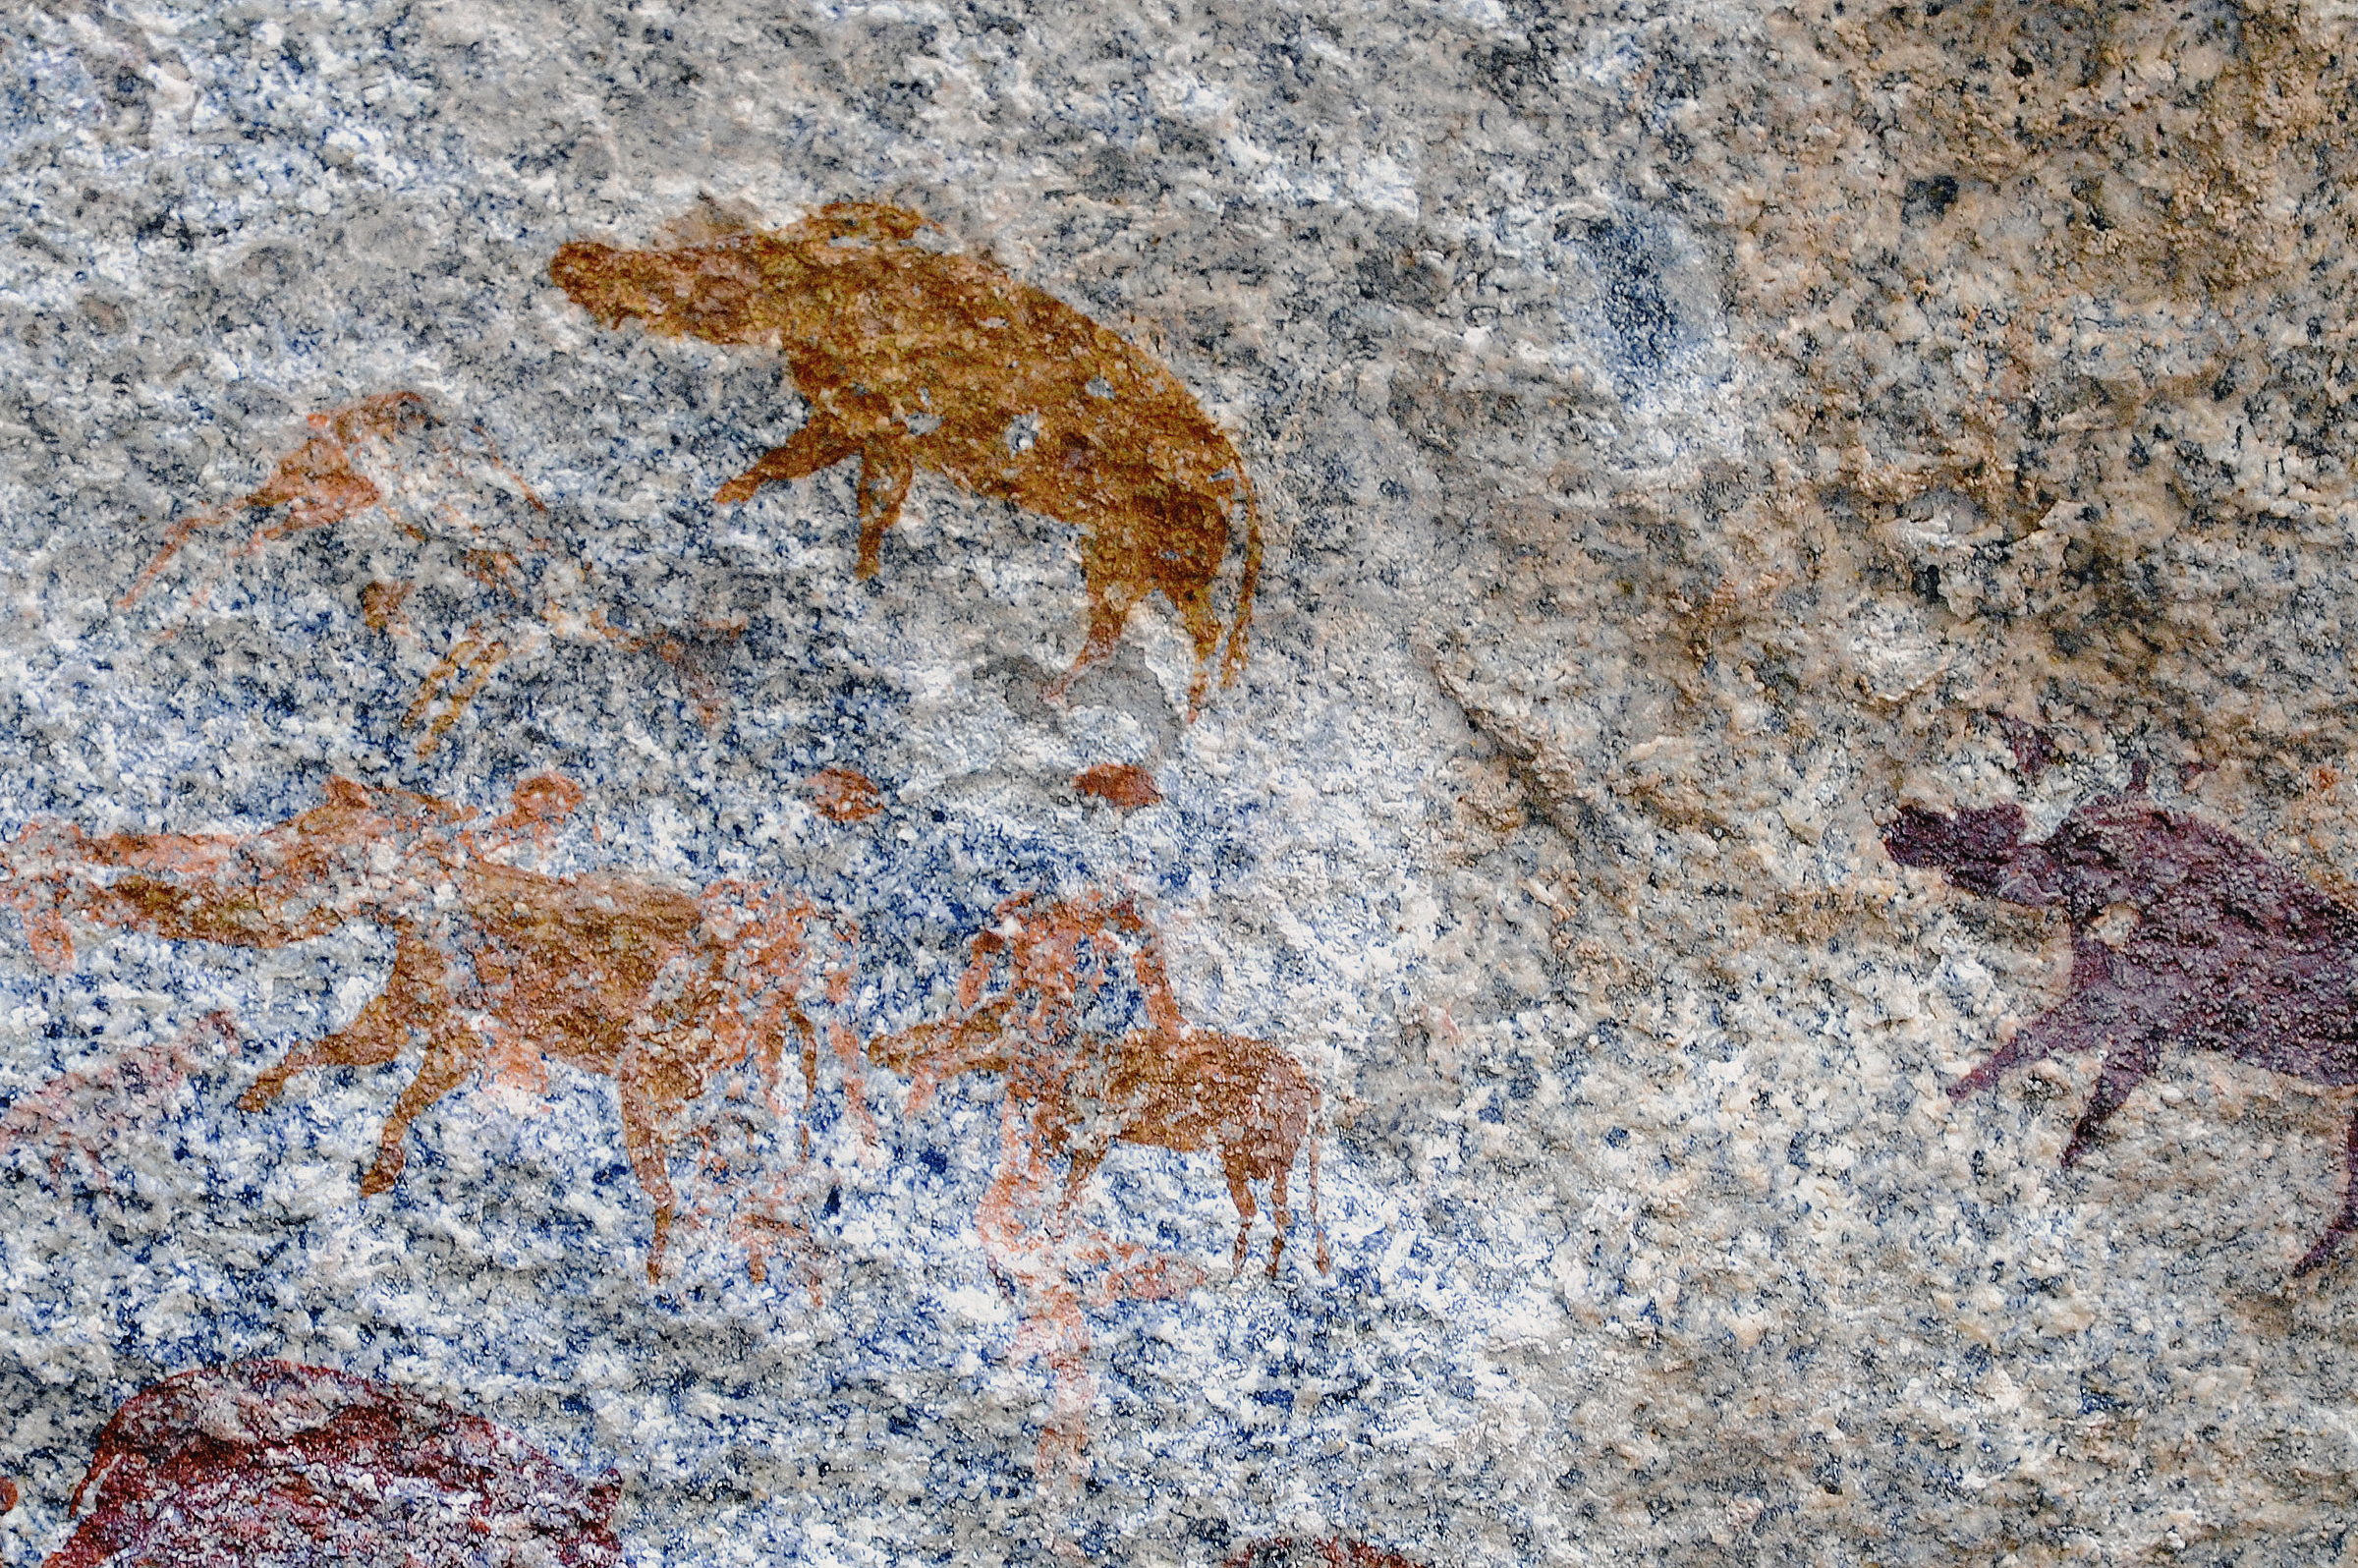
x=80, y=1117
x=270, y=1462
x=436, y=480
x=1029, y=978
x=2229, y=951
x=662, y=990
x=910, y=356
x=845, y=795
x=1123, y=785
x=7, y=1495
x=1285, y=1551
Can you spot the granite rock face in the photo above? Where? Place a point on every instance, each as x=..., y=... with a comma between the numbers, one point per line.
x=802, y=1038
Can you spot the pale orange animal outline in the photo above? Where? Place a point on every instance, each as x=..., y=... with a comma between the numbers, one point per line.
x=320, y=484
x=1086, y=1098
x=907, y=356
x=701, y=991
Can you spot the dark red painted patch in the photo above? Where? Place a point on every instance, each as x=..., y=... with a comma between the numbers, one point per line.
x=1285, y=1551
x=2035, y=750
x=2210, y=945
x=268, y=1462
x=1124, y=784
x=8, y=1494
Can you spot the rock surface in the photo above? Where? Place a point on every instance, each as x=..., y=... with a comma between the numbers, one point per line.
x=1687, y=436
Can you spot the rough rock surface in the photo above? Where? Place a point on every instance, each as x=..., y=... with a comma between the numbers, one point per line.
x=1687, y=435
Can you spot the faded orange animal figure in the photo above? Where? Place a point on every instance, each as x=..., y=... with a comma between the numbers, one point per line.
x=658, y=988
x=1168, y=1085
x=82, y=1116
x=910, y=356
x=432, y=479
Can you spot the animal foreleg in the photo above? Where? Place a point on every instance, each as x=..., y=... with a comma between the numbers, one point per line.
x=821, y=443
x=2075, y=1024
x=450, y=1055
x=2125, y=1067
x=2344, y=1222
x=885, y=470
x=413, y=994
x=1240, y=1191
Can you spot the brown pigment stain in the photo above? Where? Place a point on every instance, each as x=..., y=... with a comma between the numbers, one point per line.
x=392, y=452
x=845, y=795
x=2228, y=950
x=658, y=988
x=910, y=358
x=272, y=1462
x=1123, y=785
x=7, y=1495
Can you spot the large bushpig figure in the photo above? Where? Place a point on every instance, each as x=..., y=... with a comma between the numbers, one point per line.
x=910, y=356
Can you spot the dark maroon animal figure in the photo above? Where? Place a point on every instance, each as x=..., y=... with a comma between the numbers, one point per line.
x=2207, y=944
x=265, y=1461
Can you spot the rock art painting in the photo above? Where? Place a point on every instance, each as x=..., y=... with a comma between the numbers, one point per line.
x=2182, y=935
x=909, y=355
x=268, y=1462
x=1031, y=982
x=438, y=482
x=77, y=1120
x=663, y=990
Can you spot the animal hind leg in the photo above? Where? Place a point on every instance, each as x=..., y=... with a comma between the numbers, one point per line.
x=2344, y=1222
x=885, y=471
x=2125, y=1067
x=2078, y=1021
x=1279, y=1215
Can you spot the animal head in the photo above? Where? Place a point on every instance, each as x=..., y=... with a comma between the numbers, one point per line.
x=1977, y=847
x=714, y=292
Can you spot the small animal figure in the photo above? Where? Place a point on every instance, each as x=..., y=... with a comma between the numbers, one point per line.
x=436, y=481
x=2182, y=934
x=1167, y=1086
x=270, y=1462
x=658, y=988
x=907, y=356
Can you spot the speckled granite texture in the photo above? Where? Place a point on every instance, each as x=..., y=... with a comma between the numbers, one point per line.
x=517, y=940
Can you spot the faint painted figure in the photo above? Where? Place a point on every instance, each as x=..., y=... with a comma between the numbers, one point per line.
x=494, y=965
x=845, y=795
x=1025, y=1002
x=80, y=1120
x=2182, y=934
x=444, y=482
x=266, y=1462
x=1166, y=1086
x=910, y=356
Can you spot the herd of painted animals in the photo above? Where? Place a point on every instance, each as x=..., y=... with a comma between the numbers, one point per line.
x=906, y=356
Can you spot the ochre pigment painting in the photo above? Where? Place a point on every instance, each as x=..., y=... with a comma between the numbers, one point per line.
x=1461, y=786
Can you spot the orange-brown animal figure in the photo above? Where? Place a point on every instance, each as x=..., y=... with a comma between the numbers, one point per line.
x=908, y=356
x=1167, y=1086
x=658, y=988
